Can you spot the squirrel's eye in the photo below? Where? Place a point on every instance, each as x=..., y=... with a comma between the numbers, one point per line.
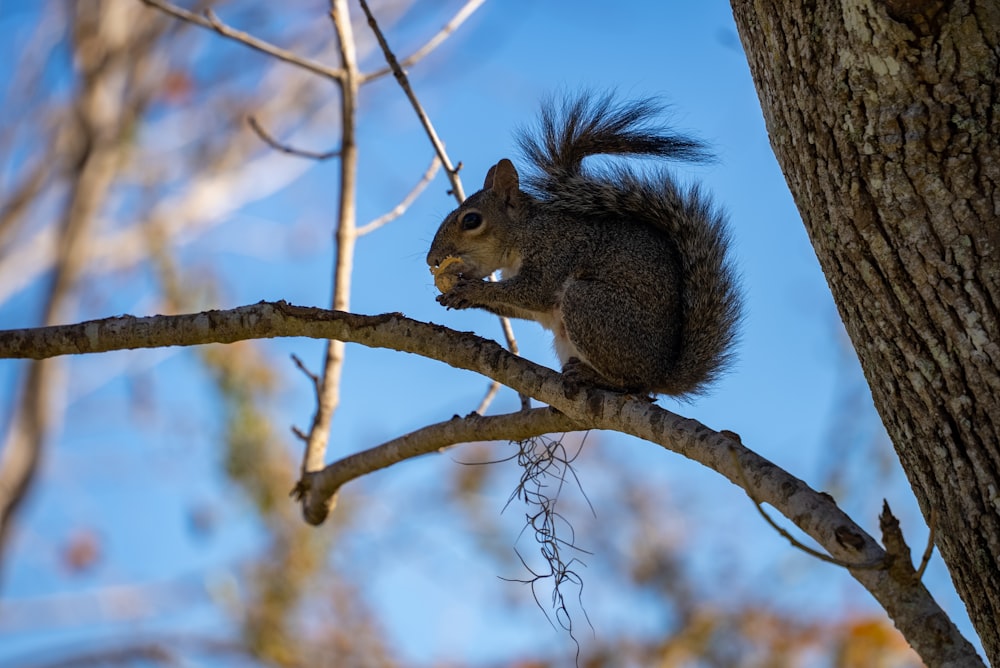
x=472, y=220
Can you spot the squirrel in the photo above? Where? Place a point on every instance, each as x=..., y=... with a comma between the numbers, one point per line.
x=626, y=268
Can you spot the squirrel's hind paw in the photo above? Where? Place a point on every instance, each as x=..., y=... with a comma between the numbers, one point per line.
x=577, y=374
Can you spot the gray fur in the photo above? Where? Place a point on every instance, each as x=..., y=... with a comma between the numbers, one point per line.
x=627, y=269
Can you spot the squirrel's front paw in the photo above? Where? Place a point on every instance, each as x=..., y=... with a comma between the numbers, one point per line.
x=460, y=295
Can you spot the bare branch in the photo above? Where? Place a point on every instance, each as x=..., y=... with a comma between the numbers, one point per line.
x=22, y=446
x=795, y=542
x=434, y=42
x=898, y=558
x=17, y=201
x=99, y=115
x=318, y=490
x=401, y=208
x=452, y=172
x=285, y=148
x=929, y=549
x=309, y=374
x=224, y=184
x=212, y=22
x=905, y=598
x=404, y=83
x=508, y=335
x=328, y=396
x=491, y=393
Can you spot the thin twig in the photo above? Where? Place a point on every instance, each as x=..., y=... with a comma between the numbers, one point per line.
x=796, y=543
x=317, y=389
x=404, y=83
x=401, y=208
x=309, y=374
x=508, y=334
x=269, y=139
x=212, y=22
x=452, y=172
x=929, y=550
x=494, y=388
x=434, y=42
x=491, y=393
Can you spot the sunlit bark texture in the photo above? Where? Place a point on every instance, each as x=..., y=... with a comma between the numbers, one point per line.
x=885, y=117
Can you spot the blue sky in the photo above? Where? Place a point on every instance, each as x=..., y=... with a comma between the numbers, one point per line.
x=793, y=369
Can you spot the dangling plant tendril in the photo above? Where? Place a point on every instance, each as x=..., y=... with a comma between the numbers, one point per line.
x=545, y=464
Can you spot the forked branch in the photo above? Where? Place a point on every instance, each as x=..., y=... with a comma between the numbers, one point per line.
x=316, y=490
x=906, y=599
x=434, y=42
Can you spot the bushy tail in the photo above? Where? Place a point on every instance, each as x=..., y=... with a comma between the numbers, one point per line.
x=712, y=302
x=598, y=125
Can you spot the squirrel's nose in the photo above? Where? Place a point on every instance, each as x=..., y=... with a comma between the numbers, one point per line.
x=437, y=254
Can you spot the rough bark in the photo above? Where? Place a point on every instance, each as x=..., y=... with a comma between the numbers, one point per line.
x=885, y=118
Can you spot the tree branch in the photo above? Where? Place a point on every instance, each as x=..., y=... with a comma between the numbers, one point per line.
x=318, y=490
x=271, y=141
x=99, y=114
x=212, y=22
x=434, y=42
x=404, y=83
x=401, y=208
x=795, y=542
x=328, y=396
x=452, y=172
x=906, y=600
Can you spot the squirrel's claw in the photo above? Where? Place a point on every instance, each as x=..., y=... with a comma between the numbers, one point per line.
x=457, y=297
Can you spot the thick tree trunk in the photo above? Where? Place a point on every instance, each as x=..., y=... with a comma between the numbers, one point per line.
x=885, y=117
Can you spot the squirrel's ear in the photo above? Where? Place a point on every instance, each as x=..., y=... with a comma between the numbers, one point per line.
x=488, y=183
x=502, y=179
